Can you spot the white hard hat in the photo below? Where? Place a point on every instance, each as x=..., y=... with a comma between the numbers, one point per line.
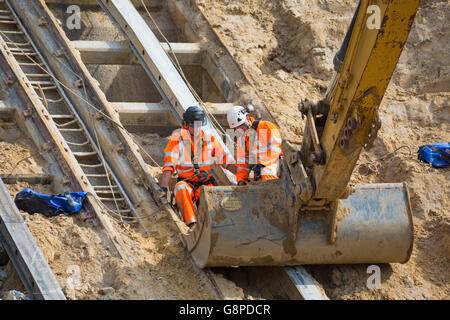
x=236, y=116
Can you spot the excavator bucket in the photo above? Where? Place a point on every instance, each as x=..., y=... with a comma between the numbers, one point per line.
x=249, y=226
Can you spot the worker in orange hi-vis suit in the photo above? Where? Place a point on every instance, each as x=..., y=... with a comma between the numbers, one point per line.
x=191, y=153
x=258, y=145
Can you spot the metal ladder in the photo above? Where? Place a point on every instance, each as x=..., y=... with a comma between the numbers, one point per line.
x=35, y=73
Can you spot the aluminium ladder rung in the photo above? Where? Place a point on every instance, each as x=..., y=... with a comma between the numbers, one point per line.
x=36, y=75
x=22, y=50
x=122, y=211
x=108, y=191
x=42, y=83
x=51, y=100
x=17, y=44
x=8, y=22
x=45, y=88
x=85, y=154
x=111, y=199
x=92, y=175
x=72, y=130
x=105, y=187
x=75, y=144
x=99, y=165
x=62, y=116
x=67, y=123
x=109, y=194
x=28, y=64
x=19, y=53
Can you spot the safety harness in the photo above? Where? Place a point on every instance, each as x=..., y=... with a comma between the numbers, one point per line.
x=202, y=176
x=256, y=168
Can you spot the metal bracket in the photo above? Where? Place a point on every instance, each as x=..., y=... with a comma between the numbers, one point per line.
x=373, y=131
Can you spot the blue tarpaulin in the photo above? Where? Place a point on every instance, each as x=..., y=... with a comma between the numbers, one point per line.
x=50, y=205
x=437, y=154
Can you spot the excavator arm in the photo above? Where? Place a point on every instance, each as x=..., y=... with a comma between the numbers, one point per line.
x=365, y=64
x=310, y=215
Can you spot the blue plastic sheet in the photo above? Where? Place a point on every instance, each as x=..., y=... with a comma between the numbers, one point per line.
x=437, y=154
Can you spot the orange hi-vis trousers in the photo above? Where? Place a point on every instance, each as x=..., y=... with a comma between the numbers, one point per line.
x=185, y=196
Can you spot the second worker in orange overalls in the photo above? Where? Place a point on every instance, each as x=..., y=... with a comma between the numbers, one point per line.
x=258, y=146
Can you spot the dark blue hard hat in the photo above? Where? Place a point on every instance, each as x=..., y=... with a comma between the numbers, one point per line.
x=193, y=114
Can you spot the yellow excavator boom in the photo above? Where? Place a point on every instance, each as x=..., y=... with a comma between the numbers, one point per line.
x=373, y=52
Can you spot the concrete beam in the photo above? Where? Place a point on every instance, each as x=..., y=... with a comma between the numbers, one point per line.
x=156, y=115
x=113, y=53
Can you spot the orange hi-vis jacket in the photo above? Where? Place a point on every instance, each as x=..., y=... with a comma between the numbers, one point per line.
x=185, y=156
x=182, y=155
x=262, y=146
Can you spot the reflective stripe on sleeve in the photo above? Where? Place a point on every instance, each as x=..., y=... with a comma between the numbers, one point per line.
x=276, y=139
x=205, y=163
x=172, y=154
x=274, y=149
x=169, y=164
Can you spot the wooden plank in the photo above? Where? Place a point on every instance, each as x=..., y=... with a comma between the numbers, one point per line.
x=120, y=52
x=25, y=253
